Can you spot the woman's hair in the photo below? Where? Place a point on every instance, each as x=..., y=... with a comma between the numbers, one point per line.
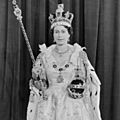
x=70, y=31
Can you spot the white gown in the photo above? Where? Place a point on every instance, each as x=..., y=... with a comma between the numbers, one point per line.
x=59, y=105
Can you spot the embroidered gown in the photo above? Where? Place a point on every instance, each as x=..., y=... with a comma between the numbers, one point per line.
x=58, y=104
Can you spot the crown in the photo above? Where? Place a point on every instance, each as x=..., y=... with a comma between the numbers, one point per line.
x=61, y=17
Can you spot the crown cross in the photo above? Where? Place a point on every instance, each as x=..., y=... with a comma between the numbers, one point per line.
x=60, y=10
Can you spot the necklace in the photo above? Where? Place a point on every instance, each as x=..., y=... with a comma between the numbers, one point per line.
x=61, y=53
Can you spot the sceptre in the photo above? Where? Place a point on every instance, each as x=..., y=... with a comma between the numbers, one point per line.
x=18, y=14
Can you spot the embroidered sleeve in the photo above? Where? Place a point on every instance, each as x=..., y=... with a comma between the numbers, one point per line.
x=39, y=74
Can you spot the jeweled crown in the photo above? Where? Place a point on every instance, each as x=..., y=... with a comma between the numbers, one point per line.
x=60, y=17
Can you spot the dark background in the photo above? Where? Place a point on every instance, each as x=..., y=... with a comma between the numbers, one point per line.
x=96, y=25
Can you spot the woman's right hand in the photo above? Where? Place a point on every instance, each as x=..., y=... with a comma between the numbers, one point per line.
x=36, y=72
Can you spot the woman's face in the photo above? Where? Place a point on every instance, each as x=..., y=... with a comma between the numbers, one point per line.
x=61, y=35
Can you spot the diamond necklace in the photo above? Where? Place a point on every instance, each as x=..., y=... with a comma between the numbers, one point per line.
x=61, y=53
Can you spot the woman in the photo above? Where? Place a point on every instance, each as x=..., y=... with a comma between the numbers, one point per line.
x=64, y=84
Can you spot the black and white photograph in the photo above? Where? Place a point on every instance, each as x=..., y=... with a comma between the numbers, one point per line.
x=60, y=60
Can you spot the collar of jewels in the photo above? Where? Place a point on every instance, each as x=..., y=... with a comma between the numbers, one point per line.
x=60, y=17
